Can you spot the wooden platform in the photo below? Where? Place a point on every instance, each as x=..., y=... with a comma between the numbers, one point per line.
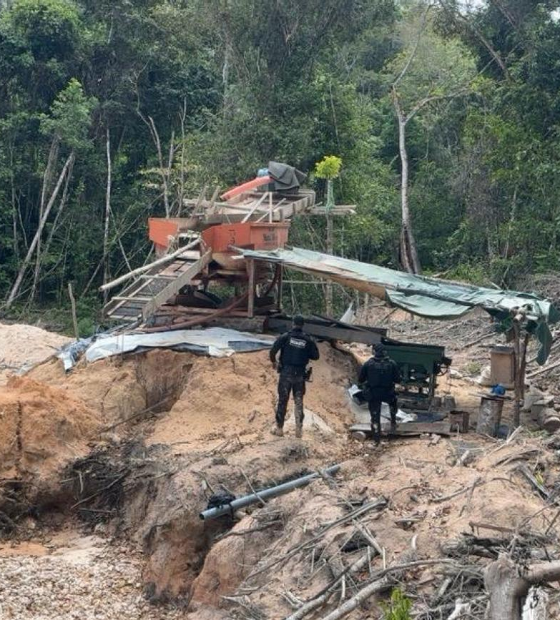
x=410, y=429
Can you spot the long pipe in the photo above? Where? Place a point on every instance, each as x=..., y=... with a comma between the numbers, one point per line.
x=247, y=500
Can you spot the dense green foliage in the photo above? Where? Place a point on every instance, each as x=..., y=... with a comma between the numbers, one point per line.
x=188, y=93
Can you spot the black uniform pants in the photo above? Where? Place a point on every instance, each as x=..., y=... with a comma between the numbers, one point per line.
x=377, y=398
x=290, y=383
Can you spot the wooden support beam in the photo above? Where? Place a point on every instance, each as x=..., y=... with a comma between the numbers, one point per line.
x=132, y=298
x=255, y=207
x=251, y=288
x=280, y=288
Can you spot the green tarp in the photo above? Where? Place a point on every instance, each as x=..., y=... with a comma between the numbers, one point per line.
x=427, y=297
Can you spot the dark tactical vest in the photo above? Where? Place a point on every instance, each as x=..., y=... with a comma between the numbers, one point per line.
x=295, y=349
x=382, y=373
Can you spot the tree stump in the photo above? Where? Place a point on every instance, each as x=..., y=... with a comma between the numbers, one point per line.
x=489, y=416
x=508, y=586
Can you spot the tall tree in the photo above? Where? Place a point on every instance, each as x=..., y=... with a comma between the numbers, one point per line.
x=428, y=70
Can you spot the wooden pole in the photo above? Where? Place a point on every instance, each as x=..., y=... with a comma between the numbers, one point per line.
x=251, y=289
x=74, y=315
x=517, y=378
x=280, y=288
x=107, y=217
x=520, y=348
x=156, y=263
x=330, y=250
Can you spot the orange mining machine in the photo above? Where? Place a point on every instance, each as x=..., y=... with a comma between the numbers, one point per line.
x=199, y=275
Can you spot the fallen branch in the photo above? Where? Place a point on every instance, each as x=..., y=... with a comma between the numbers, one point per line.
x=541, y=371
x=480, y=339
x=379, y=503
x=356, y=601
x=323, y=596
x=439, y=500
x=507, y=530
x=97, y=493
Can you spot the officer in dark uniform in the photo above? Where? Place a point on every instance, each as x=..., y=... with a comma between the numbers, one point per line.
x=296, y=349
x=378, y=377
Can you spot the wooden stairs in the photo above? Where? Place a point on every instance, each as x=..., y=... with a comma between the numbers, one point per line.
x=151, y=290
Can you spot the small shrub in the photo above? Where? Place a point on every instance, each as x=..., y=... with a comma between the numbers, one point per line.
x=398, y=608
x=473, y=368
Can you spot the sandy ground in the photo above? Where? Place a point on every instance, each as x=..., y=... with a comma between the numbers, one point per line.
x=200, y=425
x=22, y=346
x=74, y=575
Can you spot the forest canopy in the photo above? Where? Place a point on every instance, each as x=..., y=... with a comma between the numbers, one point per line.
x=445, y=116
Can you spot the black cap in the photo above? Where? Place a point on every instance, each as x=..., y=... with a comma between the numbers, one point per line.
x=298, y=320
x=378, y=349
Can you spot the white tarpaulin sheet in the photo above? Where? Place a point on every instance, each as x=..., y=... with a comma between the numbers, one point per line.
x=215, y=341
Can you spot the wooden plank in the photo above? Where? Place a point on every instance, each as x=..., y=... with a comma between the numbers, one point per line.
x=410, y=428
x=174, y=287
x=251, y=288
x=140, y=299
x=256, y=206
x=135, y=287
x=155, y=277
x=272, y=215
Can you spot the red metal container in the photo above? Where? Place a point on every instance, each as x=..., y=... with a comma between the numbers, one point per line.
x=248, y=235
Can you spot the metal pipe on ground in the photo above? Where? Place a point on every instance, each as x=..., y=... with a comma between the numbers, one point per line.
x=253, y=498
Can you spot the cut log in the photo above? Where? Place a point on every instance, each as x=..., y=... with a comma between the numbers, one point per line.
x=536, y=603
x=548, y=419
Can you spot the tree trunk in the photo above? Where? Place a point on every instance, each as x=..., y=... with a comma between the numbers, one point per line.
x=409, y=253
x=107, y=216
x=505, y=588
x=34, y=244
x=62, y=206
x=47, y=180
x=508, y=584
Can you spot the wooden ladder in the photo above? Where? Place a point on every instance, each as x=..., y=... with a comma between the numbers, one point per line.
x=141, y=299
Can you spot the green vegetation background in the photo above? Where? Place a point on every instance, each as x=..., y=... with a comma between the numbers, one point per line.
x=194, y=93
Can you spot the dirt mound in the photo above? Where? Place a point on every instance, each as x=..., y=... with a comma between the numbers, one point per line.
x=119, y=387
x=298, y=543
x=41, y=428
x=22, y=346
x=207, y=398
x=237, y=395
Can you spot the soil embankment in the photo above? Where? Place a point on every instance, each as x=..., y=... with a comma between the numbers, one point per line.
x=132, y=449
